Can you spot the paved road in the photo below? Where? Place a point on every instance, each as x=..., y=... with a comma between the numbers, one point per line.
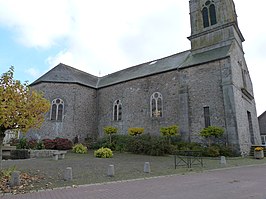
x=236, y=183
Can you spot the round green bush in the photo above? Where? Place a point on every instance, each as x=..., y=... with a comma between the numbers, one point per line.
x=103, y=153
x=79, y=148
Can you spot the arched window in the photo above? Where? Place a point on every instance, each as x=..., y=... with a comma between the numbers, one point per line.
x=117, y=110
x=212, y=14
x=205, y=16
x=156, y=105
x=57, y=111
x=209, y=14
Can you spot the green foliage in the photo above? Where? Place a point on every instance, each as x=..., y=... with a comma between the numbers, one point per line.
x=110, y=130
x=150, y=145
x=80, y=148
x=35, y=144
x=6, y=173
x=40, y=145
x=135, y=131
x=211, y=132
x=158, y=145
x=103, y=153
x=185, y=146
x=142, y=144
x=120, y=142
x=212, y=151
x=227, y=151
x=21, y=108
x=170, y=130
x=22, y=144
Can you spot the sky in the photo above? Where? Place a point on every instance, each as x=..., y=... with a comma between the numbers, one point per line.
x=103, y=36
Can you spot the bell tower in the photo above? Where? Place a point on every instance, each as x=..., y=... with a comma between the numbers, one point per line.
x=213, y=24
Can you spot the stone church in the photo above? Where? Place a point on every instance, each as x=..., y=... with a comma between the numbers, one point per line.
x=206, y=85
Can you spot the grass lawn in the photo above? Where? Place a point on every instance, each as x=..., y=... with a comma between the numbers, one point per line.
x=89, y=170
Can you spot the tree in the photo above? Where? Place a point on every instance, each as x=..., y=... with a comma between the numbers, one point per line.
x=21, y=108
x=109, y=130
x=211, y=132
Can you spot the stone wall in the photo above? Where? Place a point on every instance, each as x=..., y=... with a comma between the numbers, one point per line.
x=203, y=85
x=80, y=111
x=262, y=123
x=135, y=97
x=244, y=101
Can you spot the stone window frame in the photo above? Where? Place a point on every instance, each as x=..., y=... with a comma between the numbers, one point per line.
x=57, y=110
x=156, y=105
x=117, y=110
x=209, y=15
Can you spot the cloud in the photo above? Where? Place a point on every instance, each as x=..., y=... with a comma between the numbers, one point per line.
x=94, y=35
x=36, y=23
x=109, y=38
x=33, y=72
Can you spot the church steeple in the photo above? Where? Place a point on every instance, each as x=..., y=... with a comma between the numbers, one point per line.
x=213, y=22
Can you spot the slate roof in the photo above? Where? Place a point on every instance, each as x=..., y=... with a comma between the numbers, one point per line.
x=262, y=115
x=66, y=74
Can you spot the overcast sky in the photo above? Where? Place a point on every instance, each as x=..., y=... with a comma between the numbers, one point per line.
x=103, y=36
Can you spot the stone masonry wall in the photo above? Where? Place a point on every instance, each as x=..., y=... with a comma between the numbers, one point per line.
x=243, y=103
x=262, y=123
x=80, y=116
x=135, y=97
x=203, y=84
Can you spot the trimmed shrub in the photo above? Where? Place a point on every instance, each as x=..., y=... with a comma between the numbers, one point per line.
x=211, y=132
x=49, y=144
x=135, y=131
x=58, y=143
x=79, y=148
x=170, y=130
x=63, y=144
x=103, y=153
x=109, y=130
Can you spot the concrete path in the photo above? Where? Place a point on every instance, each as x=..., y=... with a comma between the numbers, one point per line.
x=236, y=183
